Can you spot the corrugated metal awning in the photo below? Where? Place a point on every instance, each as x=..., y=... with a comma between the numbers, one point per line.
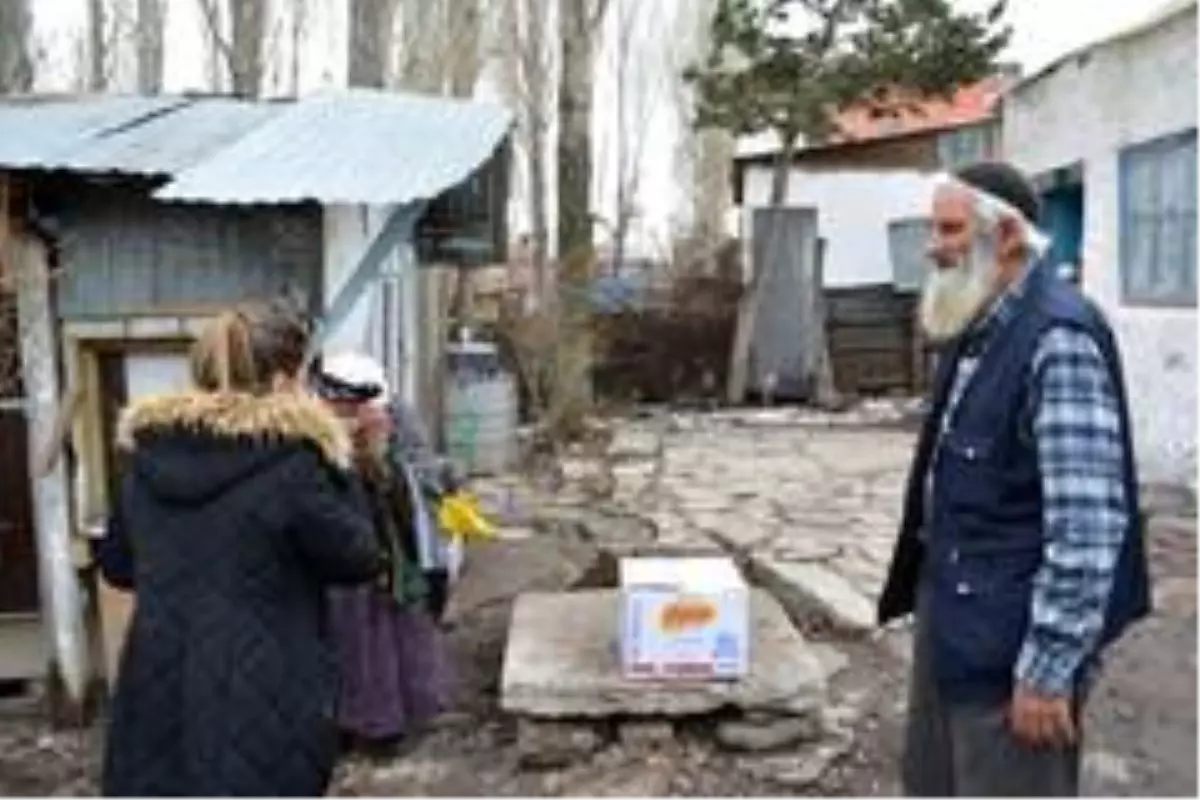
x=120, y=134
x=44, y=132
x=170, y=142
x=355, y=147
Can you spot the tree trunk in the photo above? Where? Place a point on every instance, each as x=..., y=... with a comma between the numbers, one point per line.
x=97, y=50
x=299, y=22
x=823, y=393
x=539, y=208
x=575, y=251
x=621, y=223
x=711, y=196
x=370, y=32
x=575, y=134
x=537, y=105
x=704, y=156
x=150, y=46
x=16, y=62
x=464, y=29
x=246, y=56
x=751, y=302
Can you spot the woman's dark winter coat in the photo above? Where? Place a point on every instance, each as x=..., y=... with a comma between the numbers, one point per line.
x=236, y=513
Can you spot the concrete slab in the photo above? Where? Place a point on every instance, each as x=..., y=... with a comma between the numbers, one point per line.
x=805, y=587
x=562, y=661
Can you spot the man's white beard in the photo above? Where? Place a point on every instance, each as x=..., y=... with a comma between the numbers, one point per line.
x=954, y=296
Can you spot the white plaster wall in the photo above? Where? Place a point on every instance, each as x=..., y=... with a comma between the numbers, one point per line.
x=348, y=231
x=854, y=208
x=1090, y=107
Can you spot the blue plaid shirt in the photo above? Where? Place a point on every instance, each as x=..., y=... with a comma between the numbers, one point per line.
x=1073, y=418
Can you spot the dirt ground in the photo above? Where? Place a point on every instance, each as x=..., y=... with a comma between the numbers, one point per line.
x=1141, y=733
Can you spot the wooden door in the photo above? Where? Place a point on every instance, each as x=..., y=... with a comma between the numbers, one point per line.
x=18, y=549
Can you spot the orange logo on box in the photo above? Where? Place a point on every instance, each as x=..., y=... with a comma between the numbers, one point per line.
x=684, y=614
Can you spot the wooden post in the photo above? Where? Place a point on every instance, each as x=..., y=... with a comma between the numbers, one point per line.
x=62, y=606
x=824, y=390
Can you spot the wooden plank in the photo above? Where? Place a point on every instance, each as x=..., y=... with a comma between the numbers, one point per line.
x=871, y=332
x=58, y=580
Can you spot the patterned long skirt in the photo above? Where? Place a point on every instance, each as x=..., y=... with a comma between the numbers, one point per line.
x=392, y=661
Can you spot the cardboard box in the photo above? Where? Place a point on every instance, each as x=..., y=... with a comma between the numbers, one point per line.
x=683, y=618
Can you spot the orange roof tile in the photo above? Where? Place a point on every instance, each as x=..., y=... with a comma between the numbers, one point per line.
x=969, y=105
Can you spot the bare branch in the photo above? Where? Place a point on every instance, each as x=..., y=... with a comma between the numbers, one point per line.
x=212, y=19
x=596, y=18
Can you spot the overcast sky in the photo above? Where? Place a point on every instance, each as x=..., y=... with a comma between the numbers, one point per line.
x=1043, y=31
x=1043, y=28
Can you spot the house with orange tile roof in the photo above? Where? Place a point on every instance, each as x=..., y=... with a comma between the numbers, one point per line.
x=869, y=176
x=863, y=194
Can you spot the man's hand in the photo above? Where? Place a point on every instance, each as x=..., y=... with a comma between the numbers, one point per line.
x=1041, y=721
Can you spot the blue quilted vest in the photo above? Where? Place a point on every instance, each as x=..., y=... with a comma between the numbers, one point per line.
x=984, y=524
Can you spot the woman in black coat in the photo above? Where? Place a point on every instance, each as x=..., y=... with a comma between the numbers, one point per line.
x=236, y=513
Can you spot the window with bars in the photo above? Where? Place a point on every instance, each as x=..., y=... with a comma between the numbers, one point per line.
x=1158, y=221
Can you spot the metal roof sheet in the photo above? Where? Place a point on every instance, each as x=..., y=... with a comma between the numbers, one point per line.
x=42, y=132
x=167, y=143
x=357, y=147
x=153, y=136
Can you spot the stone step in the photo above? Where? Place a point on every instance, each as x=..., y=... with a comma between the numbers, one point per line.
x=562, y=662
x=807, y=588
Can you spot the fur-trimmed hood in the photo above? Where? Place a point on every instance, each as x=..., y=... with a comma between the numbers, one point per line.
x=190, y=448
x=272, y=418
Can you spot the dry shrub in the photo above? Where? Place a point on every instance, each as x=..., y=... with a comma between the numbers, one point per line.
x=673, y=351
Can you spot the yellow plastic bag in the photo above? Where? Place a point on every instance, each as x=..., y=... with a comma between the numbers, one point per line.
x=459, y=518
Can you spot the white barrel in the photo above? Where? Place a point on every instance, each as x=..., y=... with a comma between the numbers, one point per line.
x=481, y=422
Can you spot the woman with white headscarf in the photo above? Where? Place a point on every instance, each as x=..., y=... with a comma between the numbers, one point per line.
x=390, y=649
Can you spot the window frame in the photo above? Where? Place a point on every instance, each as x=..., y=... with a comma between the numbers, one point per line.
x=1128, y=158
x=923, y=221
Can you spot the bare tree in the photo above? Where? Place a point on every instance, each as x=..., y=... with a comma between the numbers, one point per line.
x=97, y=50
x=462, y=48
x=438, y=46
x=121, y=45
x=421, y=45
x=710, y=152
x=242, y=48
x=150, y=22
x=628, y=166
x=642, y=68
x=16, y=62
x=371, y=24
x=578, y=24
x=299, y=27
x=527, y=80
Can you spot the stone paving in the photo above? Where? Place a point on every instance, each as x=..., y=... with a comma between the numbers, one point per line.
x=809, y=506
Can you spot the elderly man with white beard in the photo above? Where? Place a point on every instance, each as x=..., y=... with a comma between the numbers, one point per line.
x=1020, y=550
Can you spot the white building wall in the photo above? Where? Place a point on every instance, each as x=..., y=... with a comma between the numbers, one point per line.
x=348, y=232
x=1086, y=110
x=854, y=208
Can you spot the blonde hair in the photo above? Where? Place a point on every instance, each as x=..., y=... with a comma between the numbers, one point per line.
x=244, y=349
